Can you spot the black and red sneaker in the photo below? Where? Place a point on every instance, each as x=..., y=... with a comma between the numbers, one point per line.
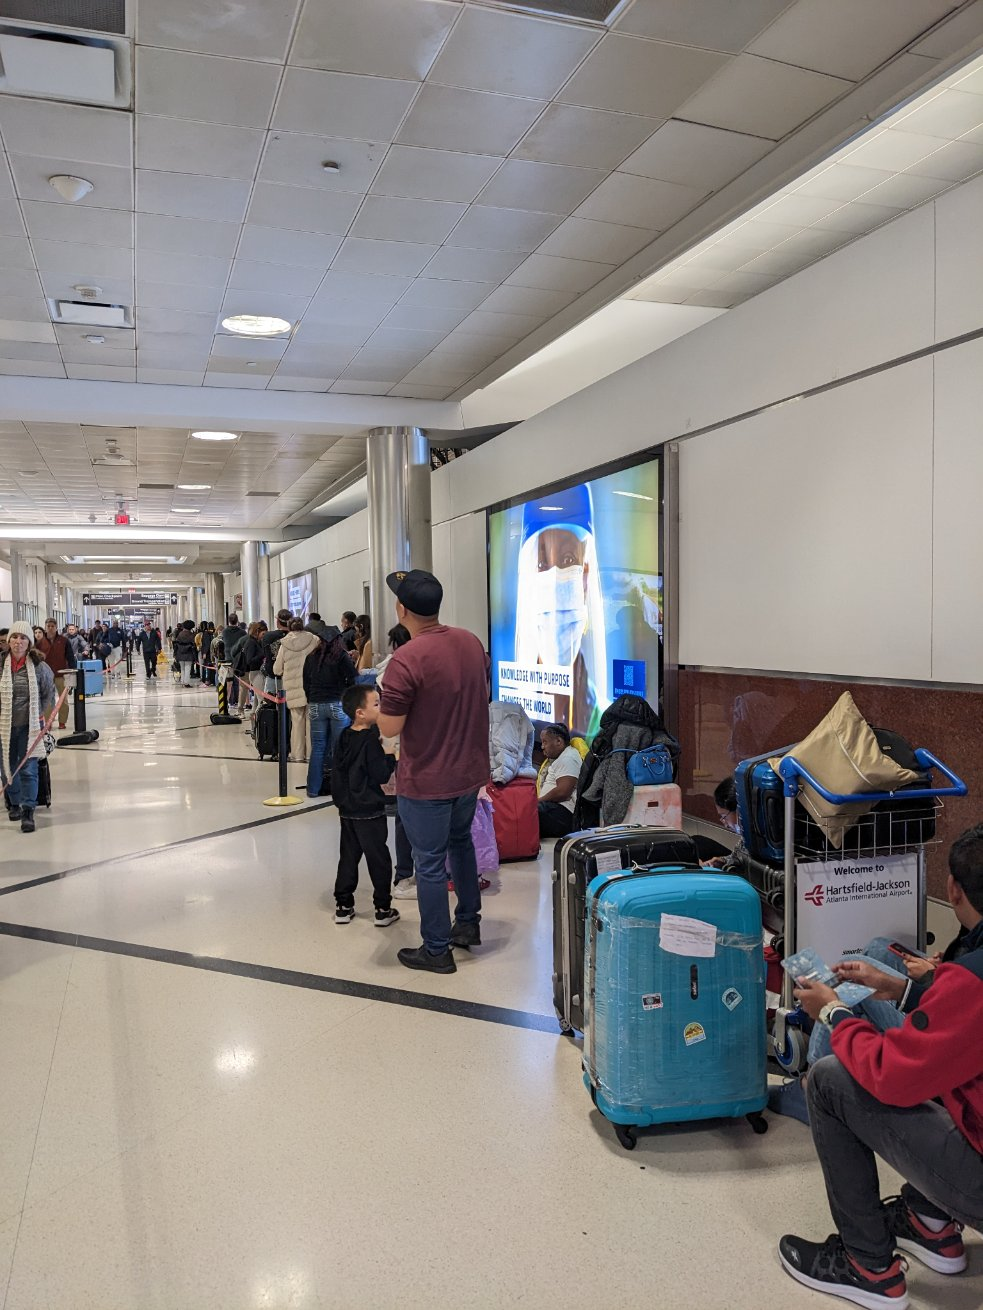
x=829, y=1267
x=942, y=1251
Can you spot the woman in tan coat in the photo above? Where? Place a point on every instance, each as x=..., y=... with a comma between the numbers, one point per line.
x=289, y=665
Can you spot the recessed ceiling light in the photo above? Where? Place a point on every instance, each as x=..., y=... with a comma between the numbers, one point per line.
x=194, y=486
x=184, y=509
x=256, y=325
x=216, y=436
x=330, y=166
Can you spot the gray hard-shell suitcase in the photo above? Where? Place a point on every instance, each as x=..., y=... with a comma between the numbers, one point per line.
x=576, y=860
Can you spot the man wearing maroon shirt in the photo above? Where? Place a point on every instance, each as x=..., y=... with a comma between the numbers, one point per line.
x=879, y=1094
x=435, y=699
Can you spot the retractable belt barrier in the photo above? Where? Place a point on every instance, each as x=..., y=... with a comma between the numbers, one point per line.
x=45, y=728
x=283, y=796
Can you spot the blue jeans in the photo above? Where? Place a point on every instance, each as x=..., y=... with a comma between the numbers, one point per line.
x=882, y=1014
x=438, y=829
x=327, y=721
x=23, y=790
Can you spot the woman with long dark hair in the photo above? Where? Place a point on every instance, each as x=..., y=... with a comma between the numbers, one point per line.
x=328, y=670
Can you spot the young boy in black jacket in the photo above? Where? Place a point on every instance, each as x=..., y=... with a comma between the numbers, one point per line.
x=359, y=769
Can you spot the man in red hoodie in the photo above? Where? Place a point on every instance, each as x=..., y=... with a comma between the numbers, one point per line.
x=879, y=1094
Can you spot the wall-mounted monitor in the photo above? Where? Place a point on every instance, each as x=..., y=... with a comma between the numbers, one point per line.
x=576, y=597
x=302, y=595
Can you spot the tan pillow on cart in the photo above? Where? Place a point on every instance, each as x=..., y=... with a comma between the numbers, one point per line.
x=842, y=753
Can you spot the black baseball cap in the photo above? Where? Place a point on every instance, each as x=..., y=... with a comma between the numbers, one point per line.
x=418, y=590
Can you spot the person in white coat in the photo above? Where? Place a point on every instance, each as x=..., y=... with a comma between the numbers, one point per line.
x=289, y=665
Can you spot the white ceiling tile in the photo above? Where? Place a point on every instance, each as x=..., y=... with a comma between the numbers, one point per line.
x=695, y=155
x=403, y=258
x=434, y=318
x=294, y=280
x=256, y=368
x=591, y=138
x=76, y=333
x=89, y=136
x=112, y=187
x=486, y=228
x=857, y=218
x=394, y=218
x=474, y=122
x=89, y=354
x=842, y=182
x=171, y=376
x=533, y=301
x=716, y=299
x=465, y=265
x=947, y=115
x=101, y=373
x=417, y=391
x=501, y=326
x=956, y=161
x=810, y=243
x=635, y=76
x=236, y=381
x=762, y=98
x=98, y=227
x=353, y=387
x=178, y=145
x=186, y=236
x=397, y=340
x=264, y=302
x=893, y=151
x=273, y=245
x=227, y=347
x=303, y=209
x=605, y=243
x=433, y=174
x=327, y=361
x=511, y=54
x=248, y=29
x=445, y=295
x=61, y=286
x=11, y=223
x=152, y=321
x=176, y=84
x=42, y=352
x=728, y=26
x=83, y=263
x=315, y=333
x=285, y=382
x=755, y=235
x=797, y=208
x=639, y=202
x=906, y=190
x=28, y=310
x=30, y=369
x=180, y=195
x=194, y=270
x=439, y=373
x=811, y=33
x=553, y=188
x=386, y=38
x=743, y=282
x=552, y=273
x=342, y=104
x=297, y=160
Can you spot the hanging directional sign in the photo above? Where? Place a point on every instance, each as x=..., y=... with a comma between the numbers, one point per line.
x=129, y=598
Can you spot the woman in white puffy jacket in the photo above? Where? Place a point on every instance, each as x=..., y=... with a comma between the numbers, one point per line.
x=289, y=665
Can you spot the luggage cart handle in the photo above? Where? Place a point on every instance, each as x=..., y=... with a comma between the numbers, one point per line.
x=791, y=771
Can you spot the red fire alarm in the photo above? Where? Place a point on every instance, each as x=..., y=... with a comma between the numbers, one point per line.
x=122, y=518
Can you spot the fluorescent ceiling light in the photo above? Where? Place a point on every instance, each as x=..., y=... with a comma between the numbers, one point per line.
x=216, y=436
x=194, y=486
x=184, y=509
x=256, y=325
x=125, y=560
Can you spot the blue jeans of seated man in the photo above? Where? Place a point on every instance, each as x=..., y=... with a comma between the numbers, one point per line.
x=23, y=790
x=438, y=829
x=882, y=1014
x=327, y=721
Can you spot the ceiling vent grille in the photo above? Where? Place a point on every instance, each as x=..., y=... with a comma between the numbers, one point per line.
x=86, y=15
x=79, y=66
x=581, y=11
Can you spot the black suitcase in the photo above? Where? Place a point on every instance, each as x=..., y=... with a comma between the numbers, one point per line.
x=44, y=784
x=267, y=730
x=576, y=860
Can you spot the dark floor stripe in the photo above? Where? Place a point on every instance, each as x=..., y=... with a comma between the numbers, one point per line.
x=176, y=755
x=168, y=846
x=292, y=978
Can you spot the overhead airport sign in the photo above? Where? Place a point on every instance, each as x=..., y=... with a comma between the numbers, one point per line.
x=129, y=598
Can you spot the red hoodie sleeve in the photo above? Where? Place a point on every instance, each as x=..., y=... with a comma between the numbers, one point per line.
x=937, y=1050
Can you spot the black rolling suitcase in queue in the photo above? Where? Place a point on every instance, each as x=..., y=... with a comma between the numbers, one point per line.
x=267, y=732
x=44, y=784
x=576, y=860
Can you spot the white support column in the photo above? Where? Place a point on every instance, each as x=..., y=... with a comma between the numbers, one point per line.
x=400, y=537
x=249, y=561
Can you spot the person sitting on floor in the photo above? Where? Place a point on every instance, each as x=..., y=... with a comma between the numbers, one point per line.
x=557, y=784
x=912, y=1095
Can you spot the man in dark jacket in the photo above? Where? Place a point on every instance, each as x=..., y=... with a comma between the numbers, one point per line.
x=59, y=653
x=359, y=770
x=912, y=1095
x=150, y=647
x=328, y=670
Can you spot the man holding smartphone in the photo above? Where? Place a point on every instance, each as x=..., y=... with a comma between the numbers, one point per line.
x=878, y=1094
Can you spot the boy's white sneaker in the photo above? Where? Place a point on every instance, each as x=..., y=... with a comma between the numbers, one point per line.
x=405, y=890
x=383, y=918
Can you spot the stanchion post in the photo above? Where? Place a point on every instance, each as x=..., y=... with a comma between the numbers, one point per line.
x=129, y=661
x=82, y=736
x=283, y=750
x=79, y=707
x=222, y=716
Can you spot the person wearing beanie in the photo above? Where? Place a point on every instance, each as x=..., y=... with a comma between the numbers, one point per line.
x=27, y=699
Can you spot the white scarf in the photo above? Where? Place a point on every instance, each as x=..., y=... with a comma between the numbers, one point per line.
x=7, y=711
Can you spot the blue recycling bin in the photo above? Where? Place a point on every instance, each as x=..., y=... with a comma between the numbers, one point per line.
x=92, y=677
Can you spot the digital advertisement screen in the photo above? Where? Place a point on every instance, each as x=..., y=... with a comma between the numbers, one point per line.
x=576, y=598
x=302, y=595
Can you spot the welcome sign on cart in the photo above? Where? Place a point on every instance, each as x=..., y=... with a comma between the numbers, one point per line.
x=842, y=904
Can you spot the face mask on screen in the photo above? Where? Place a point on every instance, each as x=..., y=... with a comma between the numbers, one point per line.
x=561, y=614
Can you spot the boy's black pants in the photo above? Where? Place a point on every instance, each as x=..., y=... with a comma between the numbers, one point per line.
x=368, y=837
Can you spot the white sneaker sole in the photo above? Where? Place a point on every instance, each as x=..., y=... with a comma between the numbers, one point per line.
x=942, y=1264
x=347, y=919
x=870, y=1300
x=387, y=923
x=400, y=895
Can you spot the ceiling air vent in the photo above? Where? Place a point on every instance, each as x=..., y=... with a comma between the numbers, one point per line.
x=155, y=486
x=90, y=313
x=268, y=495
x=90, y=15
x=582, y=11
x=65, y=65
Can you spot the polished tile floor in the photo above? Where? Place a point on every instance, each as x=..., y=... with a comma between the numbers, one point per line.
x=214, y=1098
